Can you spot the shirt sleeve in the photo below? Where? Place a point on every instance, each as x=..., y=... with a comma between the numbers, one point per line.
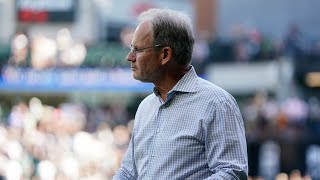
x=127, y=171
x=225, y=142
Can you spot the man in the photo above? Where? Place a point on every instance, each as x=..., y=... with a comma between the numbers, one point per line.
x=188, y=128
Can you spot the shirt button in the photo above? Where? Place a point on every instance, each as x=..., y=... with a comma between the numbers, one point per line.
x=158, y=130
x=152, y=155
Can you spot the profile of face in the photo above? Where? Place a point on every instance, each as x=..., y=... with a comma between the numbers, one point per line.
x=145, y=60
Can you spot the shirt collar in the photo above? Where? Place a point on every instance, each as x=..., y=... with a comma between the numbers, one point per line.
x=186, y=84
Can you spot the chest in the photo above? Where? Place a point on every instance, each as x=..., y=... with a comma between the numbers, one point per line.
x=169, y=132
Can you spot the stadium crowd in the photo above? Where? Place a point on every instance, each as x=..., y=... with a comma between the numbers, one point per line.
x=43, y=142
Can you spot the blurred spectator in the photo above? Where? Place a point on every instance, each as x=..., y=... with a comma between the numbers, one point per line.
x=221, y=51
x=282, y=176
x=296, y=110
x=19, y=50
x=201, y=52
x=126, y=35
x=246, y=43
x=314, y=116
x=70, y=53
x=294, y=41
x=43, y=52
x=313, y=161
x=269, y=158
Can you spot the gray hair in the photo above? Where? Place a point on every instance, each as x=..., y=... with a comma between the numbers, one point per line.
x=174, y=29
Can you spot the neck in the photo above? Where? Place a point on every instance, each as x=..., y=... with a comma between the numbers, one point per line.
x=169, y=79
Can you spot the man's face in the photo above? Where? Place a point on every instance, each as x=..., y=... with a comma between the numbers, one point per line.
x=145, y=60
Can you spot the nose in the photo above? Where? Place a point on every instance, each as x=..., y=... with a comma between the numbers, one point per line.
x=131, y=56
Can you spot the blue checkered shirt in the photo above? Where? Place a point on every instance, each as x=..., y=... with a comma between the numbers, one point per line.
x=198, y=133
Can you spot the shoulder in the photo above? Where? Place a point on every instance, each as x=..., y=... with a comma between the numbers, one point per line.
x=220, y=103
x=213, y=92
x=148, y=100
x=146, y=105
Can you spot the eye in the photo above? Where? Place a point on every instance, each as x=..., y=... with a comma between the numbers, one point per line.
x=138, y=49
x=134, y=49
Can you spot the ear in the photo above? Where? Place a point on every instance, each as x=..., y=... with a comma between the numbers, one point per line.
x=166, y=54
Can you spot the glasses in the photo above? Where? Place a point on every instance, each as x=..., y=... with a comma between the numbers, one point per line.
x=135, y=50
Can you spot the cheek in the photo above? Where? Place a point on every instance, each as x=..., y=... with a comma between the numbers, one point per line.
x=141, y=63
x=147, y=63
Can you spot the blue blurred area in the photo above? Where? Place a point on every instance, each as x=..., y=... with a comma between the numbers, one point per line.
x=60, y=80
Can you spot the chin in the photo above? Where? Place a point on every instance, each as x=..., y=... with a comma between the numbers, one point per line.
x=145, y=80
x=135, y=76
x=138, y=78
x=141, y=78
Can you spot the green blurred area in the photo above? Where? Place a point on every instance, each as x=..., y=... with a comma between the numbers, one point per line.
x=105, y=55
x=4, y=53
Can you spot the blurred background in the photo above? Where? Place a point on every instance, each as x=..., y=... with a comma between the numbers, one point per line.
x=67, y=97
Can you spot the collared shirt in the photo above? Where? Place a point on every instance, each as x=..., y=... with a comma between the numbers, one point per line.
x=198, y=133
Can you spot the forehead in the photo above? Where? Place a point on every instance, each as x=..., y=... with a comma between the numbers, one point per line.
x=143, y=34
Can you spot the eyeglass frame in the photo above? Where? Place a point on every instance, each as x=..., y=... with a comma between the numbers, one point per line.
x=135, y=50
